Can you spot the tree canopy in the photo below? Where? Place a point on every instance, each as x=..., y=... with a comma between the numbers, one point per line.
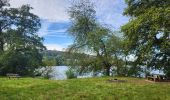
x=20, y=44
x=147, y=34
x=92, y=38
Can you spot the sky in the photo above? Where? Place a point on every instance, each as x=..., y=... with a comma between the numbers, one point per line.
x=55, y=20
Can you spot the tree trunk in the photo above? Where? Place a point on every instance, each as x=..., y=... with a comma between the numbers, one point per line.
x=1, y=41
x=117, y=65
x=108, y=71
x=107, y=67
x=126, y=73
x=1, y=45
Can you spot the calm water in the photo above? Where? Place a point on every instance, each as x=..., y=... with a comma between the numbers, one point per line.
x=59, y=73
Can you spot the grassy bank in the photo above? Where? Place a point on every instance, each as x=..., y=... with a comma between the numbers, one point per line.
x=86, y=89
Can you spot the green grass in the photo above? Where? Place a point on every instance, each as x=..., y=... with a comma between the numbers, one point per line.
x=82, y=89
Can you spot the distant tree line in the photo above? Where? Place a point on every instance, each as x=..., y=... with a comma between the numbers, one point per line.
x=54, y=58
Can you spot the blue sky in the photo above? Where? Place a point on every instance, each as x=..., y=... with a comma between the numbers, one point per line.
x=55, y=20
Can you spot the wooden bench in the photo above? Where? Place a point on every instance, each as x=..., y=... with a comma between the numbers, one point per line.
x=11, y=75
x=157, y=78
x=152, y=78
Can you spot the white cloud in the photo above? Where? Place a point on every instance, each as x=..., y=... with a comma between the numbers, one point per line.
x=57, y=35
x=59, y=31
x=110, y=12
x=44, y=29
x=54, y=47
x=52, y=10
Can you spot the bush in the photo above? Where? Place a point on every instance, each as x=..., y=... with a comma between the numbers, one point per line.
x=45, y=72
x=71, y=73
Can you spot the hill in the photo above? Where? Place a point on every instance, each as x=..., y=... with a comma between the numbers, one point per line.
x=86, y=89
x=52, y=53
x=57, y=58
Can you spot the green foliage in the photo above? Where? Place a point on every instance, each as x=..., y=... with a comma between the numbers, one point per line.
x=45, y=72
x=71, y=73
x=19, y=62
x=91, y=38
x=83, y=21
x=86, y=89
x=20, y=46
x=147, y=33
x=57, y=58
x=49, y=62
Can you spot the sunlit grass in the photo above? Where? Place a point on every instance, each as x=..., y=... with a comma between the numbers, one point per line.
x=86, y=89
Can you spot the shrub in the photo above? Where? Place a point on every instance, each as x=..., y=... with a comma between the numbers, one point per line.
x=71, y=73
x=45, y=72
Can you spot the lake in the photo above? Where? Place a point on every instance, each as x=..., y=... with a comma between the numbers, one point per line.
x=59, y=73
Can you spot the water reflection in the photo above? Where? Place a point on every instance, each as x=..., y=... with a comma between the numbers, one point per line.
x=59, y=73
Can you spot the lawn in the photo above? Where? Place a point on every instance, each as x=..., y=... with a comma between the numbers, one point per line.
x=82, y=89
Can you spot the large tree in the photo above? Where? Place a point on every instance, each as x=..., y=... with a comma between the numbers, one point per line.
x=147, y=34
x=91, y=37
x=5, y=21
x=20, y=44
x=83, y=21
